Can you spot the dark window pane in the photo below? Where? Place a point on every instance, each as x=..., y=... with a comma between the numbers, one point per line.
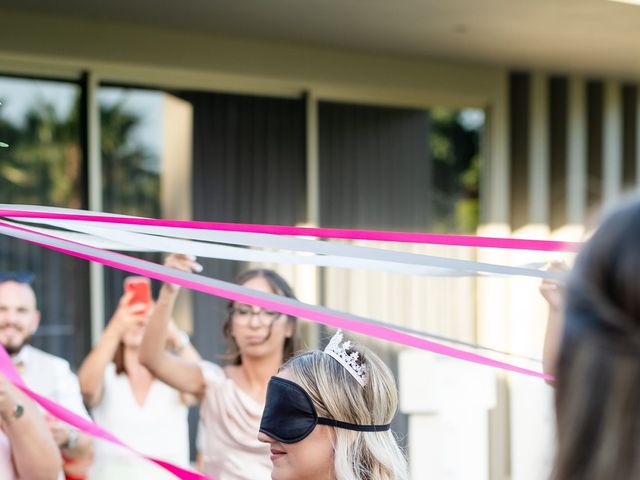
x=44, y=165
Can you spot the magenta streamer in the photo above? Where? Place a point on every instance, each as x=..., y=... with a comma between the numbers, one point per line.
x=325, y=318
x=9, y=370
x=347, y=234
x=299, y=310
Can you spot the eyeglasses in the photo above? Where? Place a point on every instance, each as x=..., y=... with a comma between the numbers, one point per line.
x=18, y=277
x=242, y=314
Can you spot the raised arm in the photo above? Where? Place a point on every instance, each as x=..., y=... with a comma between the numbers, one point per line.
x=553, y=292
x=35, y=454
x=180, y=345
x=91, y=373
x=180, y=373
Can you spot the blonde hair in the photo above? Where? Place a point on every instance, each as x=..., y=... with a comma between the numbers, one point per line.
x=337, y=395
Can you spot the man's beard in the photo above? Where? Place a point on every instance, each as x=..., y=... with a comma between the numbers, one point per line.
x=15, y=349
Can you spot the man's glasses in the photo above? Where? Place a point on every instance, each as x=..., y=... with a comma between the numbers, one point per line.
x=18, y=277
x=242, y=314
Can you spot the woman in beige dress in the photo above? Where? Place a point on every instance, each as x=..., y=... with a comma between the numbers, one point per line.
x=233, y=396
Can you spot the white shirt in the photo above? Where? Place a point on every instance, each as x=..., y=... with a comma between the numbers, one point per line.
x=51, y=377
x=157, y=428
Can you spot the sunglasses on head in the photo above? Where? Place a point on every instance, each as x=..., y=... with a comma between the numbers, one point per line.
x=18, y=277
x=290, y=415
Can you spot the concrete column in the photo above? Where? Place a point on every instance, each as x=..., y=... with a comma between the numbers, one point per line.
x=612, y=143
x=491, y=322
x=176, y=182
x=494, y=191
x=576, y=152
x=448, y=426
x=539, y=150
x=96, y=271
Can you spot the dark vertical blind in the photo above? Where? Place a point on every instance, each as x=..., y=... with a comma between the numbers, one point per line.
x=629, y=139
x=375, y=170
x=375, y=173
x=249, y=164
x=519, y=85
x=558, y=112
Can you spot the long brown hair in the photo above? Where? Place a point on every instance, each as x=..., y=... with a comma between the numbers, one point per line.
x=118, y=360
x=598, y=371
x=279, y=286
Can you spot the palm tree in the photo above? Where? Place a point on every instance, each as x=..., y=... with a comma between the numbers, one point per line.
x=130, y=185
x=2, y=144
x=455, y=150
x=45, y=164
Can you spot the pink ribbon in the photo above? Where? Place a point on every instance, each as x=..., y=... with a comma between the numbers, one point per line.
x=273, y=302
x=351, y=234
x=9, y=370
x=270, y=302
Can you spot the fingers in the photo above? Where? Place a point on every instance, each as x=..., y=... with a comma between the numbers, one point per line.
x=138, y=309
x=558, y=266
x=125, y=299
x=550, y=291
x=553, y=290
x=183, y=262
x=132, y=310
x=555, y=266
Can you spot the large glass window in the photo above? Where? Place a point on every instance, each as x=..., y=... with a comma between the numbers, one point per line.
x=131, y=141
x=39, y=121
x=454, y=143
x=44, y=165
x=131, y=133
x=398, y=168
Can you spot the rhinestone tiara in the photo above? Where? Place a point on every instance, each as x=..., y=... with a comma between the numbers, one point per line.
x=347, y=360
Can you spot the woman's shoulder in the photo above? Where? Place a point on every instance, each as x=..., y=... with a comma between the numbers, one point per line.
x=212, y=373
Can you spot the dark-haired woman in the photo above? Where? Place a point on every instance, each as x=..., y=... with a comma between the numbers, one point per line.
x=126, y=399
x=232, y=397
x=597, y=366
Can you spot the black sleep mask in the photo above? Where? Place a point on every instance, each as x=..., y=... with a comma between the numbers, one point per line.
x=290, y=416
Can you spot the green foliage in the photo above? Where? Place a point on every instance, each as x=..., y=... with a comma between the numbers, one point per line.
x=454, y=151
x=2, y=144
x=45, y=164
x=130, y=186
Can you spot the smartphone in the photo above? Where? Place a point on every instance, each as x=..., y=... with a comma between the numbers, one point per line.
x=141, y=288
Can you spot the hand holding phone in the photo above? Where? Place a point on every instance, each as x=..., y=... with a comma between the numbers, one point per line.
x=140, y=287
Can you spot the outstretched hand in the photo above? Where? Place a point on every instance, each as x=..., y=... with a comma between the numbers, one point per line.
x=553, y=291
x=128, y=315
x=182, y=262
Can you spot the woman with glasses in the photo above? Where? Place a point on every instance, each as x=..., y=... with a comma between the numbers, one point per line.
x=232, y=396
